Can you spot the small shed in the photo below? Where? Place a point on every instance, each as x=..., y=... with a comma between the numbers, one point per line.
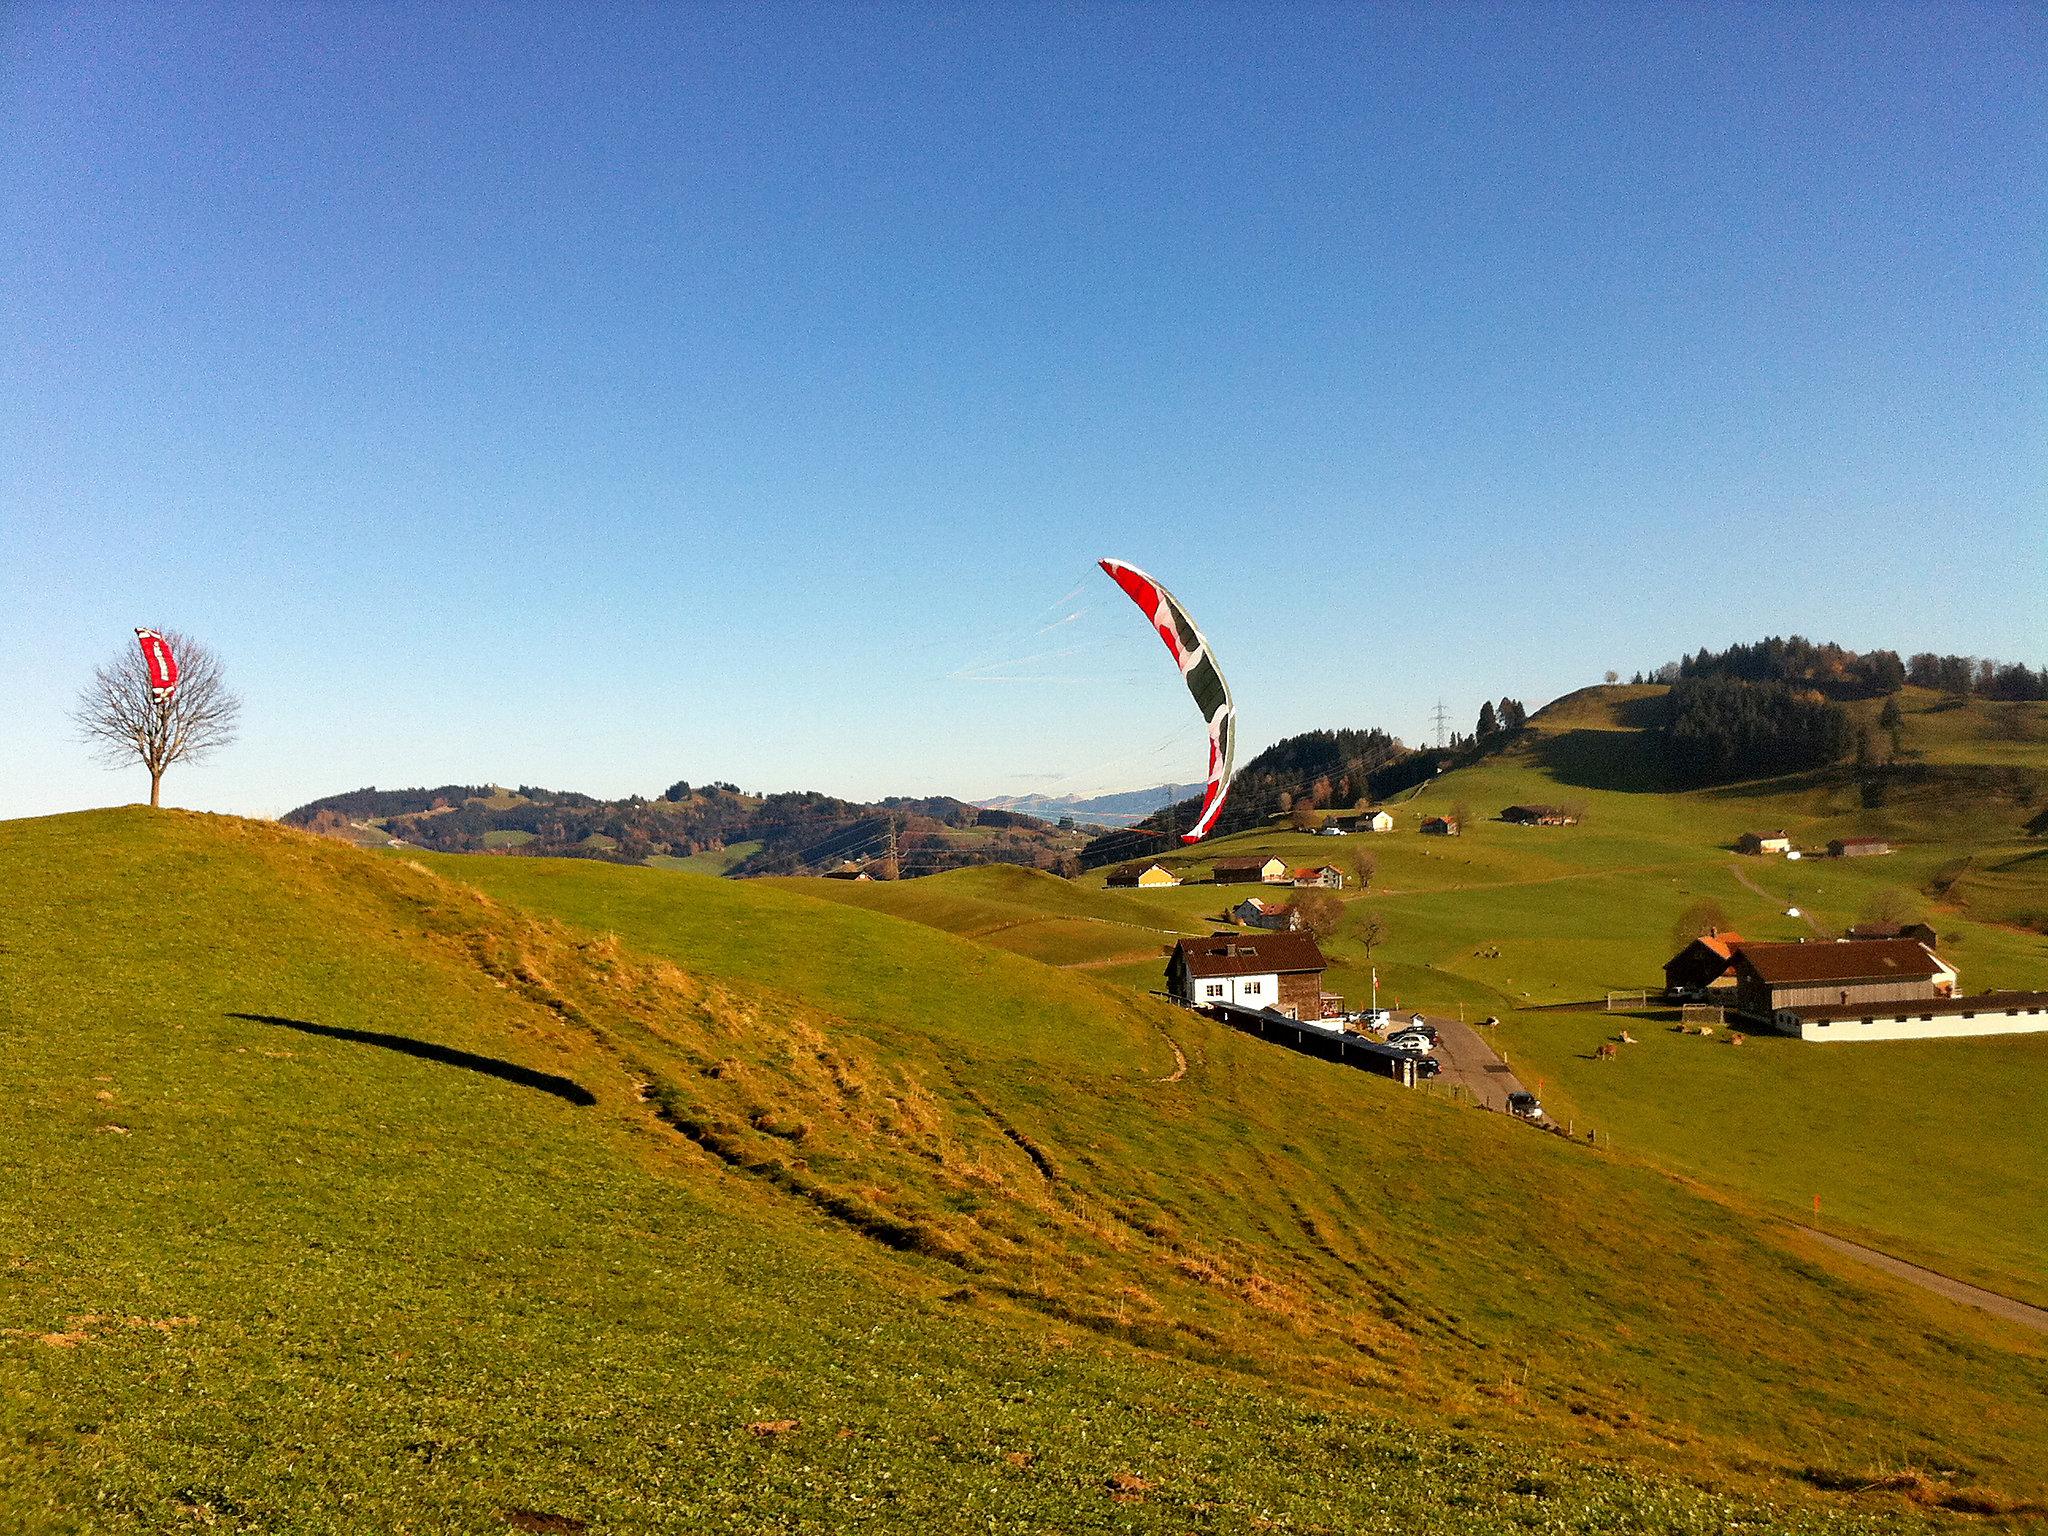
x=1763, y=842
x=1440, y=826
x=1857, y=847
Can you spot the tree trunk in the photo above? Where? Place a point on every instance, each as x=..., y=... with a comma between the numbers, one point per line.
x=156, y=784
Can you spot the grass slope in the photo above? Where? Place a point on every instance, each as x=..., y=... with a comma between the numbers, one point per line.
x=307, y=1229
x=1931, y=1151
x=1382, y=1241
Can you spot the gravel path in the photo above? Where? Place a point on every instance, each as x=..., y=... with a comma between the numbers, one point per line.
x=1929, y=1280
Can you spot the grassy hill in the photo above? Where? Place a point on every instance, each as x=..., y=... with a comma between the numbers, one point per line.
x=1927, y=1150
x=343, y=1197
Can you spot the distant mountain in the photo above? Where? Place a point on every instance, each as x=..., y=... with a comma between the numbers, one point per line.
x=783, y=834
x=1117, y=810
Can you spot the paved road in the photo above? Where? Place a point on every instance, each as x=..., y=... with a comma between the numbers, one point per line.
x=1470, y=1061
x=1928, y=1280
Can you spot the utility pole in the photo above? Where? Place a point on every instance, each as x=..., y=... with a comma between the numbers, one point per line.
x=1442, y=718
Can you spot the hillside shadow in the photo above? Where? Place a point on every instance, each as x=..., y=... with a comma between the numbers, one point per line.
x=1628, y=761
x=562, y=1088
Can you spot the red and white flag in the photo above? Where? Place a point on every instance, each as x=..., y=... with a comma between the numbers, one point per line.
x=163, y=666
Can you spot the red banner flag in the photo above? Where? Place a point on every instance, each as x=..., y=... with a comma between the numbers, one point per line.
x=156, y=655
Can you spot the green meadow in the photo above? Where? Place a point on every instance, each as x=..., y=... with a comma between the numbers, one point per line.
x=1929, y=1150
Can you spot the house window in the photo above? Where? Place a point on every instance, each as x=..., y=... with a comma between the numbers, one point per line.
x=1251, y=989
x=1214, y=989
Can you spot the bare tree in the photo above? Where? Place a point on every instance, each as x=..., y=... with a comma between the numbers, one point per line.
x=1303, y=817
x=1363, y=867
x=1702, y=917
x=125, y=721
x=1318, y=911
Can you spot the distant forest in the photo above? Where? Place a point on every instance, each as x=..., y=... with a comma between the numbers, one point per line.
x=1841, y=673
x=797, y=832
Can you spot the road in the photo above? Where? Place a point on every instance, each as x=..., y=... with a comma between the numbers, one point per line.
x=1742, y=875
x=1470, y=1062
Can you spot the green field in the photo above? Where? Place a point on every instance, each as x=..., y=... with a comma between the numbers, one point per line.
x=310, y=1230
x=1932, y=1151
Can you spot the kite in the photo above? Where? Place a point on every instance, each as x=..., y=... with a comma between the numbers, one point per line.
x=1204, y=679
x=162, y=665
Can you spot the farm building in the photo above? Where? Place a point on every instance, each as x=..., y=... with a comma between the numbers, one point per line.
x=1857, y=847
x=1919, y=933
x=1440, y=826
x=1254, y=913
x=1706, y=964
x=1323, y=875
x=1773, y=978
x=1540, y=816
x=1282, y=971
x=1250, y=872
x=848, y=871
x=1986, y=1013
x=1763, y=842
x=1144, y=876
x=1363, y=821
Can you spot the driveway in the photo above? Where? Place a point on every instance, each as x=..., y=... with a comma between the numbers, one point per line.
x=1470, y=1061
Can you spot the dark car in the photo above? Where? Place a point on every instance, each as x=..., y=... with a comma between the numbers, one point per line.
x=1524, y=1105
x=1427, y=1066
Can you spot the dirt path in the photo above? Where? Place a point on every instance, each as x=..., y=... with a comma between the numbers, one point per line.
x=1930, y=1280
x=1742, y=875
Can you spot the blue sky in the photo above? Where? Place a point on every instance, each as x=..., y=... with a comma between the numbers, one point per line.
x=600, y=397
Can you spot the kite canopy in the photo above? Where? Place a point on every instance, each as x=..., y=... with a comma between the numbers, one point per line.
x=1204, y=679
x=163, y=666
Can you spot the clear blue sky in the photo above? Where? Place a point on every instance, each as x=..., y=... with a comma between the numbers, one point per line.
x=596, y=396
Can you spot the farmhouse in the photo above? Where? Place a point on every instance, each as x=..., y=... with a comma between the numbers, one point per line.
x=1323, y=875
x=1706, y=964
x=1254, y=913
x=1145, y=876
x=1281, y=971
x=1771, y=979
x=1363, y=821
x=1857, y=847
x=848, y=871
x=1440, y=826
x=1540, y=816
x=1250, y=872
x=1763, y=842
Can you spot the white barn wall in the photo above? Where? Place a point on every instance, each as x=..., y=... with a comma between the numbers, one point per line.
x=1950, y=1026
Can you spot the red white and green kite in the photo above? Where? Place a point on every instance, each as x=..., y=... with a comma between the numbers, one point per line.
x=1204, y=679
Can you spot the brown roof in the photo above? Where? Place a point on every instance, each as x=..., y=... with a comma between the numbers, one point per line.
x=1913, y=1008
x=1872, y=960
x=1722, y=944
x=1860, y=842
x=1236, y=954
x=1315, y=869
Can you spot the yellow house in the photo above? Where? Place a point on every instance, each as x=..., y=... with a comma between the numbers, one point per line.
x=1144, y=876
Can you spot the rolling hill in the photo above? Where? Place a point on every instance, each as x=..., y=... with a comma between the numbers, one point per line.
x=469, y=1192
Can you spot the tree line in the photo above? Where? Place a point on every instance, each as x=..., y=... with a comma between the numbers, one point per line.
x=1842, y=673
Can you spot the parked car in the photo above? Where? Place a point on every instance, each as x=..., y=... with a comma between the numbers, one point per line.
x=1413, y=1045
x=1427, y=1031
x=1524, y=1106
x=1427, y=1066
